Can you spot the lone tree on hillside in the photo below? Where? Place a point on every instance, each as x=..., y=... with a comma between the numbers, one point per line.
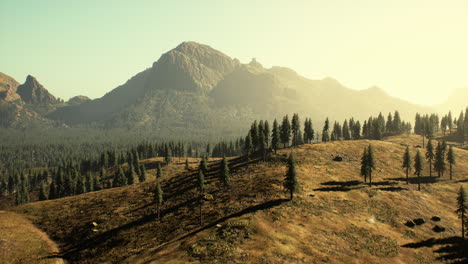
x=201, y=192
x=407, y=163
x=430, y=155
x=290, y=182
x=225, y=174
x=368, y=163
x=158, y=198
x=418, y=167
x=451, y=160
x=159, y=172
x=462, y=209
x=204, y=165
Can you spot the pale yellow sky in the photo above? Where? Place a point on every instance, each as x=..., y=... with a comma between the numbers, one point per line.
x=414, y=49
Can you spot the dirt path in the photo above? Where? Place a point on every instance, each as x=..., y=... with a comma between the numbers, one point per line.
x=22, y=242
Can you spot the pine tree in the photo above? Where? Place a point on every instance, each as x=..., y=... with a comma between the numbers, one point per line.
x=119, y=178
x=225, y=174
x=346, y=133
x=451, y=160
x=407, y=163
x=295, y=125
x=204, y=165
x=364, y=164
x=52, y=191
x=285, y=131
x=418, y=167
x=159, y=172
x=142, y=175
x=266, y=133
x=248, y=146
x=439, y=163
x=168, y=155
x=370, y=162
x=187, y=167
x=326, y=131
x=430, y=155
x=201, y=192
x=158, y=198
x=130, y=175
x=275, y=136
x=290, y=182
x=462, y=208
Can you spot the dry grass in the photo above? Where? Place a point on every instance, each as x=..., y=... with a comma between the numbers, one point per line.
x=335, y=218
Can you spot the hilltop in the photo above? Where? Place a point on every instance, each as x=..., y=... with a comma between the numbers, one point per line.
x=334, y=218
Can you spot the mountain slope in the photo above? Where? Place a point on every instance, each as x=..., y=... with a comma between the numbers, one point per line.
x=334, y=218
x=223, y=90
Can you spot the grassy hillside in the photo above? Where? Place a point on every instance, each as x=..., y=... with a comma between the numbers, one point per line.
x=335, y=218
x=22, y=242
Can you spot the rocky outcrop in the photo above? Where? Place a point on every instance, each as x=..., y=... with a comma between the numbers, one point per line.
x=32, y=92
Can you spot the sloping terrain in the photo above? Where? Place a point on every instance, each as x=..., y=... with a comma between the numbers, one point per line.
x=334, y=218
x=22, y=242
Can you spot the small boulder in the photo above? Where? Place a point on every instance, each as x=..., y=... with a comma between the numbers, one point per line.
x=419, y=221
x=208, y=197
x=338, y=158
x=409, y=223
x=371, y=220
x=435, y=219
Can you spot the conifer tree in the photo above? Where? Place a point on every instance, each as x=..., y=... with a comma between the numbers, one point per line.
x=142, y=175
x=430, y=155
x=346, y=132
x=80, y=186
x=326, y=131
x=266, y=133
x=42, y=193
x=201, y=192
x=407, y=163
x=290, y=182
x=275, y=136
x=451, y=160
x=52, y=192
x=130, y=175
x=187, y=167
x=364, y=165
x=418, y=167
x=285, y=131
x=462, y=208
x=225, y=174
x=168, y=155
x=159, y=172
x=119, y=178
x=204, y=165
x=295, y=125
x=439, y=163
x=371, y=162
x=158, y=198
x=248, y=146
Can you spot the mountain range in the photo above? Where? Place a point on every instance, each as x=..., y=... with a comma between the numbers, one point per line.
x=197, y=88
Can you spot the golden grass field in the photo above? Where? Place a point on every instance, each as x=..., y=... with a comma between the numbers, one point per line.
x=335, y=217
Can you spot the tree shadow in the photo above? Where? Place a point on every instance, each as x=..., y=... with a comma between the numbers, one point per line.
x=346, y=186
x=416, y=180
x=393, y=189
x=451, y=248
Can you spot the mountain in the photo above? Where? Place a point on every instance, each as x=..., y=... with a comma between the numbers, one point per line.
x=195, y=87
x=32, y=92
x=77, y=100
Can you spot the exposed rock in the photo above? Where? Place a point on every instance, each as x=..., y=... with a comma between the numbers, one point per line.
x=208, y=197
x=371, y=220
x=33, y=92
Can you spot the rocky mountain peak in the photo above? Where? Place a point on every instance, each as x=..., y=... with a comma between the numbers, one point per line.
x=33, y=92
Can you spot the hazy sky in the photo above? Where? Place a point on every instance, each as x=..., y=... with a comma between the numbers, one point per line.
x=414, y=49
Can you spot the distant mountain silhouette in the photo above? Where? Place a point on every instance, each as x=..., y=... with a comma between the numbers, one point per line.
x=197, y=88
